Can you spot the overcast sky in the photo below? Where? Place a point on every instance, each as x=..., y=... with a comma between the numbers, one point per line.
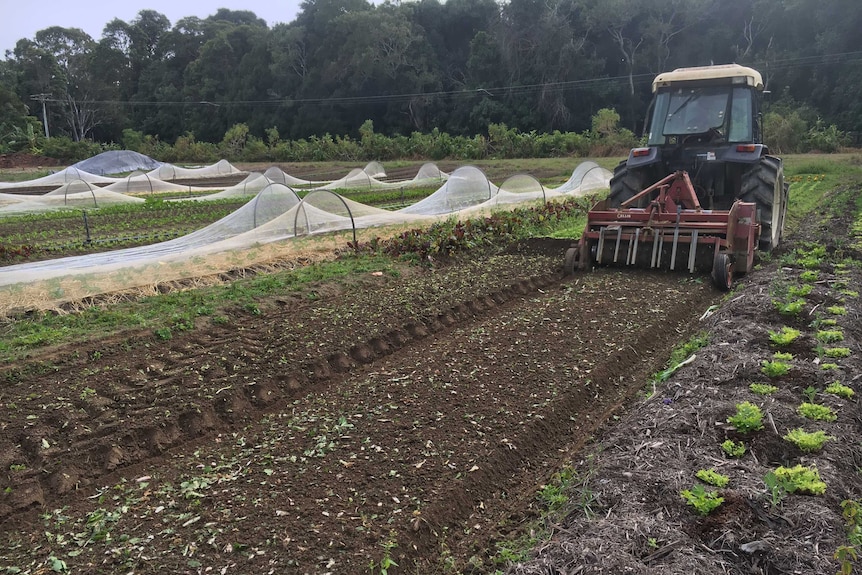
x=23, y=18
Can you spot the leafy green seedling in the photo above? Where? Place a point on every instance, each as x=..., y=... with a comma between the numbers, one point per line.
x=837, y=388
x=748, y=417
x=732, y=448
x=800, y=479
x=712, y=477
x=816, y=412
x=836, y=352
x=785, y=336
x=829, y=335
x=828, y=366
x=837, y=310
x=809, y=276
x=782, y=356
x=701, y=499
x=807, y=441
x=793, y=307
x=775, y=368
x=762, y=388
x=800, y=291
x=810, y=392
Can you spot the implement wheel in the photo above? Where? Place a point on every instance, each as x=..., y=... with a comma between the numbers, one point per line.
x=571, y=261
x=722, y=271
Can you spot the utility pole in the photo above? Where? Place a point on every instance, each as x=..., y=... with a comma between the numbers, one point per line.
x=43, y=98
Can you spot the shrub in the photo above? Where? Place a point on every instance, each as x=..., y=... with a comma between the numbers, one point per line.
x=807, y=441
x=816, y=412
x=748, y=417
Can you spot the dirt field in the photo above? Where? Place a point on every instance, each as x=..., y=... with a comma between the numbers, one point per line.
x=412, y=417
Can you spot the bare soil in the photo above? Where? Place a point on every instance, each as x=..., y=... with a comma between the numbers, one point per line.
x=413, y=417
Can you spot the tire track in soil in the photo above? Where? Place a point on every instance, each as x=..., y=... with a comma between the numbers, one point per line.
x=94, y=437
x=504, y=481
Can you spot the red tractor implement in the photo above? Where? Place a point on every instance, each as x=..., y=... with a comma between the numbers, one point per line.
x=672, y=230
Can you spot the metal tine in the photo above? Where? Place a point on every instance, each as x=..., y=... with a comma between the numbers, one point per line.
x=673, y=249
x=693, y=251
x=635, y=249
x=601, y=248
x=617, y=247
x=660, y=246
x=652, y=262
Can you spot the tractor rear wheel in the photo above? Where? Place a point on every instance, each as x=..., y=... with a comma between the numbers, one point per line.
x=625, y=184
x=763, y=185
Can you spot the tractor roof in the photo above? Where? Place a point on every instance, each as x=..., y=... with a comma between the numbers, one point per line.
x=732, y=73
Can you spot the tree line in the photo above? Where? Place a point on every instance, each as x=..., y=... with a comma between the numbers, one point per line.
x=457, y=67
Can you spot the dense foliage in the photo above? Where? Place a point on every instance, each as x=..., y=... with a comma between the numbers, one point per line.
x=229, y=85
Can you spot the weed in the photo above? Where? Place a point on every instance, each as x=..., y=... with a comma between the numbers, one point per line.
x=785, y=336
x=679, y=355
x=837, y=352
x=762, y=388
x=702, y=500
x=386, y=562
x=829, y=336
x=810, y=392
x=164, y=333
x=800, y=479
x=732, y=448
x=774, y=488
x=836, y=388
x=816, y=412
x=712, y=477
x=807, y=441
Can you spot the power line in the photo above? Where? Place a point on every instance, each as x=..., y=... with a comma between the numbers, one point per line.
x=498, y=91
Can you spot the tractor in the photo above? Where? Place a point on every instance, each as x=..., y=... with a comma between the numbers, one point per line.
x=704, y=193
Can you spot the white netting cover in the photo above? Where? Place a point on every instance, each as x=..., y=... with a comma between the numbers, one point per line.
x=74, y=195
x=168, y=172
x=355, y=179
x=272, y=201
x=274, y=214
x=70, y=174
x=466, y=187
x=117, y=162
x=519, y=188
x=276, y=174
x=587, y=177
x=138, y=183
x=250, y=186
x=374, y=170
